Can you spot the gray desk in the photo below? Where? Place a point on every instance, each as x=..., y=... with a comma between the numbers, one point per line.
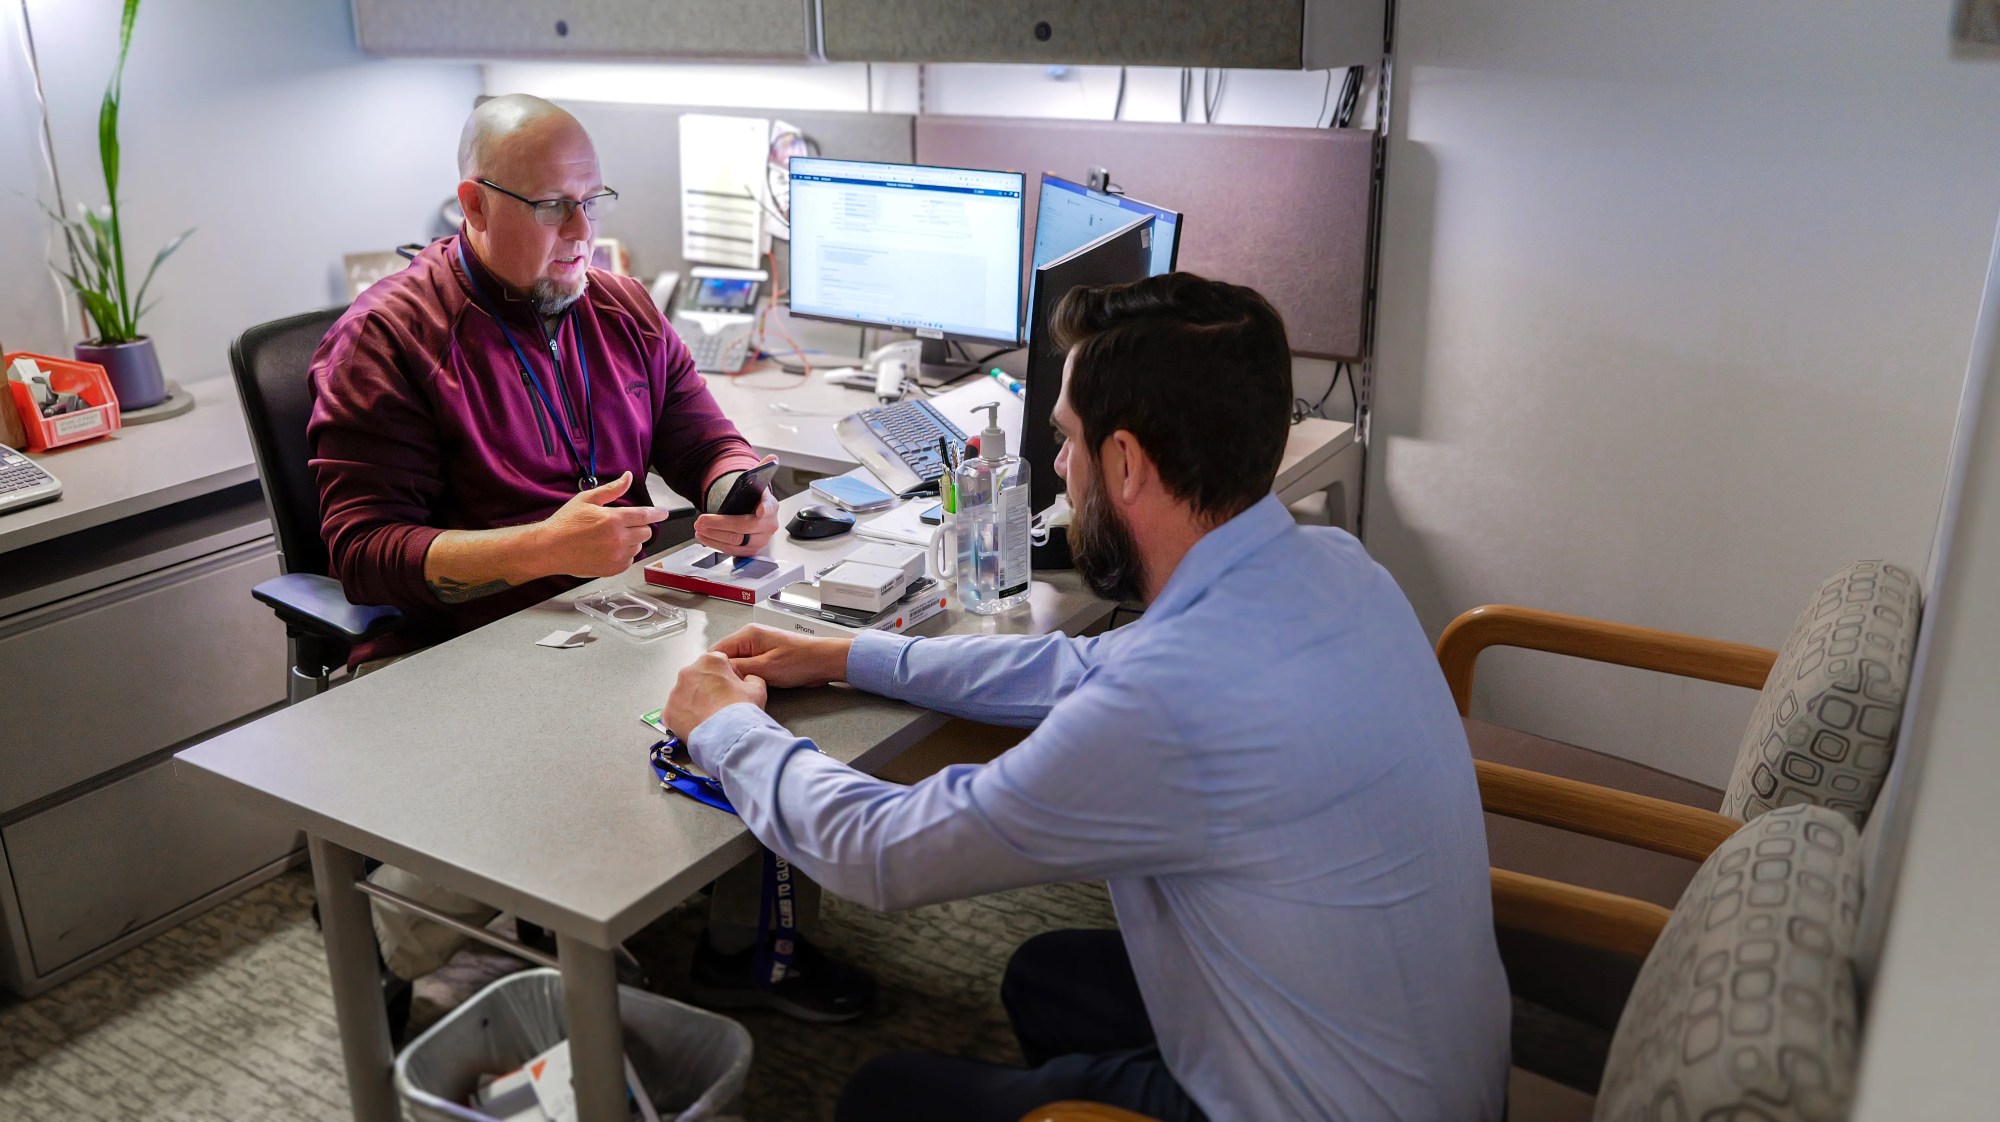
x=516, y=774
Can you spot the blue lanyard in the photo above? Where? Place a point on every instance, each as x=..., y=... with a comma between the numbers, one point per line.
x=587, y=473
x=778, y=908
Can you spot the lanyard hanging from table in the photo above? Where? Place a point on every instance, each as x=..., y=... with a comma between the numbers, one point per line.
x=778, y=909
x=586, y=468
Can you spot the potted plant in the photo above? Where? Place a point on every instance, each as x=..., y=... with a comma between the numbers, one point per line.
x=97, y=265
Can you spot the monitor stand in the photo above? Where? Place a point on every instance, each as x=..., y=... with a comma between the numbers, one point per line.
x=938, y=366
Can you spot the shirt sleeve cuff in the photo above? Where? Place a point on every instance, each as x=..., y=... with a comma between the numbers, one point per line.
x=872, y=660
x=710, y=743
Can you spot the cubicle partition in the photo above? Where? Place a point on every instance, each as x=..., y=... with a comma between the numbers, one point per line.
x=1283, y=210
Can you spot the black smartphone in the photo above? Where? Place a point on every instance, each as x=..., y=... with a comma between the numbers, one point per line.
x=749, y=488
x=934, y=516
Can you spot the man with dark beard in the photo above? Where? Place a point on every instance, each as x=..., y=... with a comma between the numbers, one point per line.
x=1267, y=768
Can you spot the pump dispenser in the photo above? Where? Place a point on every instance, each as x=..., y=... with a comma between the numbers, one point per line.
x=992, y=524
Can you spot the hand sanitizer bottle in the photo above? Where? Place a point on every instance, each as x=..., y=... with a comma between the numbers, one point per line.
x=992, y=524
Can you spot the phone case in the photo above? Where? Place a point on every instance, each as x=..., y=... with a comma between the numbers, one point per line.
x=852, y=494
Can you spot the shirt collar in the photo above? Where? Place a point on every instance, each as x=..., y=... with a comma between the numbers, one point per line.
x=1221, y=550
x=485, y=287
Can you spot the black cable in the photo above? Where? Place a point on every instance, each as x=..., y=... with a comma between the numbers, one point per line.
x=1325, y=98
x=1118, y=108
x=1211, y=99
x=1187, y=90
x=1300, y=410
x=1350, y=93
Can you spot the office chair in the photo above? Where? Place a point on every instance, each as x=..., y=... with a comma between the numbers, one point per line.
x=270, y=362
x=1575, y=822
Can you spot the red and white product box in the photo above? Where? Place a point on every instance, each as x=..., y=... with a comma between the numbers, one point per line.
x=746, y=580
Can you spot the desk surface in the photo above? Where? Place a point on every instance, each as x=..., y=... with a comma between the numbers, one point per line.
x=141, y=468
x=517, y=773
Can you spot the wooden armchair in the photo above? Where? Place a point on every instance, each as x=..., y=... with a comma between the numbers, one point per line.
x=1822, y=734
x=1536, y=904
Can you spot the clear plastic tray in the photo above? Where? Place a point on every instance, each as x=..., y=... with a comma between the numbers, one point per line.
x=633, y=614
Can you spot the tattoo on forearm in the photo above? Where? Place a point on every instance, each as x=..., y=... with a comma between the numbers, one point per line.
x=458, y=592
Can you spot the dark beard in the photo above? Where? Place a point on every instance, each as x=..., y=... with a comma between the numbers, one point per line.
x=1101, y=546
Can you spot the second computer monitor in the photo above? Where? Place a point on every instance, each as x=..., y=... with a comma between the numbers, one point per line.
x=1118, y=256
x=1071, y=215
x=932, y=250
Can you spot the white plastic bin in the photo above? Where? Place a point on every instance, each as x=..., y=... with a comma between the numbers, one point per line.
x=692, y=1063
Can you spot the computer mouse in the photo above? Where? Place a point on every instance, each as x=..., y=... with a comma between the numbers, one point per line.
x=812, y=522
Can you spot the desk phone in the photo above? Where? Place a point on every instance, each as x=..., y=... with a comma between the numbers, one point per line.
x=717, y=314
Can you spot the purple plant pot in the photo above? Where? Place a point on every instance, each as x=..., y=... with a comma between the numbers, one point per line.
x=134, y=369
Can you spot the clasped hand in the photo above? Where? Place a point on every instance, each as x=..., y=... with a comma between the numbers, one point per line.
x=743, y=666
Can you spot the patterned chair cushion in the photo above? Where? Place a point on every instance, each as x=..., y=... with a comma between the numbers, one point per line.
x=1825, y=725
x=1745, y=1009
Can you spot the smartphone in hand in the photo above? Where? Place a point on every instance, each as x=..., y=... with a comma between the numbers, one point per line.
x=749, y=488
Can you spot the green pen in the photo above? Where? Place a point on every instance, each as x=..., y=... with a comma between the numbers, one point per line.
x=947, y=493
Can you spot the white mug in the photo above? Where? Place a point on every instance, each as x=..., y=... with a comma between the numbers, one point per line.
x=943, y=551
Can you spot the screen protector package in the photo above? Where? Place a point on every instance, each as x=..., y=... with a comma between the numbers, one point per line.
x=633, y=614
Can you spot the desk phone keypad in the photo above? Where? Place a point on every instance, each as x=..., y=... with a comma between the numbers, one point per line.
x=724, y=352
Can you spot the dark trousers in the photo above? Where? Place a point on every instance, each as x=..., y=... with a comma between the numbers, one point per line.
x=1075, y=1007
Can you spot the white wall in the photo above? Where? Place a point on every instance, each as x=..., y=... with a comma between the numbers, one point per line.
x=260, y=124
x=1931, y=1033
x=1675, y=306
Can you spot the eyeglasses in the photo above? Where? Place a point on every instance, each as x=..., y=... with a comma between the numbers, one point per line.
x=556, y=212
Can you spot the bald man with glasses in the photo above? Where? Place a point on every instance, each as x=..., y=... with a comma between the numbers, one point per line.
x=482, y=427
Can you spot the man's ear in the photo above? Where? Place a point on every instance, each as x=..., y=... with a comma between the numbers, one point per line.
x=473, y=204
x=1127, y=468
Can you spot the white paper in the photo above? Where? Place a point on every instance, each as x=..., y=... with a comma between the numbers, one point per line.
x=901, y=525
x=564, y=640
x=722, y=176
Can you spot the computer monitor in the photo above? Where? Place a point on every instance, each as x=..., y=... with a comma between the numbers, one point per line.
x=935, y=251
x=1117, y=257
x=1071, y=215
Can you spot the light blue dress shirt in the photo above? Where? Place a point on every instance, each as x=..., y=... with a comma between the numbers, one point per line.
x=1268, y=770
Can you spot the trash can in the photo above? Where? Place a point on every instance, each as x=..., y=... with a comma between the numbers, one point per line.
x=691, y=1062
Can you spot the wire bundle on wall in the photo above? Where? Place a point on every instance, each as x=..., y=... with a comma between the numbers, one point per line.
x=1343, y=110
x=1301, y=409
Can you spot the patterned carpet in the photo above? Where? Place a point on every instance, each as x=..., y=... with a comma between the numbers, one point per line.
x=228, y=1017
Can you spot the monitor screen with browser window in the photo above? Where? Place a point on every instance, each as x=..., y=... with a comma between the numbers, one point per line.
x=932, y=250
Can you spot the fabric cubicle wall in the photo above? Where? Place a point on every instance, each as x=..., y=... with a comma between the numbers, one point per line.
x=1283, y=210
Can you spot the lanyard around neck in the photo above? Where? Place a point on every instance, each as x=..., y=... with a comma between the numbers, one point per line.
x=586, y=467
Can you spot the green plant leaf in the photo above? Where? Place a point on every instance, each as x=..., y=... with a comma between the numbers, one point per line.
x=165, y=251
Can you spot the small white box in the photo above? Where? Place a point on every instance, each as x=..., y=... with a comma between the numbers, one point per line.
x=798, y=609
x=861, y=586
x=890, y=556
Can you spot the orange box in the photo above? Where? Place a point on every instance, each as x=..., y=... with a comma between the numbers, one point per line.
x=86, y=379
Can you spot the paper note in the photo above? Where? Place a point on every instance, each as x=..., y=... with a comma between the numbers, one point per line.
x=723, y=165
x=565, y=639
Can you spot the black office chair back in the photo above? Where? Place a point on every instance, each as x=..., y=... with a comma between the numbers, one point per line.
x=270, y=362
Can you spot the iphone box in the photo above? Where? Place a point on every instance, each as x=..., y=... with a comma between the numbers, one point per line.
x=746, y=580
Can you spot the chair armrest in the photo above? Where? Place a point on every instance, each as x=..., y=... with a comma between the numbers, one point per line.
x=1578, y=915
x=1670, y=652
x=316, y=605
x=1083, y=1112
x=1602, y=812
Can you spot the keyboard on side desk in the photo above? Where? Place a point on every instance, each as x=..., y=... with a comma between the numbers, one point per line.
x=899, y=441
